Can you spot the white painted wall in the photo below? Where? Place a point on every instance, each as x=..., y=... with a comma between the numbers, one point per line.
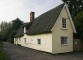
x=17, y=40
x=31, y=42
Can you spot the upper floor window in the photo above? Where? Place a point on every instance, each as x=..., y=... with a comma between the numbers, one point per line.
x=63, y=23
x=63, y=40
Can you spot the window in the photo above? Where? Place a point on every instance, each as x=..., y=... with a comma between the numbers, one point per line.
x=63, y=23
x=25, y=40
x=19, y=39
x=63, y=40
x=39, y=41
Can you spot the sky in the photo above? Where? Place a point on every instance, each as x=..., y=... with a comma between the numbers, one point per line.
x=12, y=9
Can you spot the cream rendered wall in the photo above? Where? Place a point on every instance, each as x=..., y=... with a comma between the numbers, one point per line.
x=58, y=32
x=16, y=41
x=31, y=42
x=21, y=42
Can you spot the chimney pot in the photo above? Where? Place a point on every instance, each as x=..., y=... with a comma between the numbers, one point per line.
x=32, y=16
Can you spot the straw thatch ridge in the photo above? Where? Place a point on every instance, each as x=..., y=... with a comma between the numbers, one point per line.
x=45, y=22
x=41, y=24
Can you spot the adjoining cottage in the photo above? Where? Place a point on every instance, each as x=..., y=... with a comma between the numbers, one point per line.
x=50, y=32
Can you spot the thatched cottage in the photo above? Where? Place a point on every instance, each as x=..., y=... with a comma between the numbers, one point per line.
x=50, y=32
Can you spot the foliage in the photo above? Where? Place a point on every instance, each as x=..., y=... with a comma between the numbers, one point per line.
x=8, y=30
x=79, y=24
x=75, y=6
x=16, y=24
x=11, y=36
x=2, y=55
x=76, y=10
x=5, y=29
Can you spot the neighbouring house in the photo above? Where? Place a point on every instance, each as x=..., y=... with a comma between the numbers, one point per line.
x=50, y=32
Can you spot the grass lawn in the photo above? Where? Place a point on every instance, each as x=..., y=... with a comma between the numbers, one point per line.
x=2, y=55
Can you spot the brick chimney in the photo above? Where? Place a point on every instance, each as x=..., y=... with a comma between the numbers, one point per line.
x=32, y=16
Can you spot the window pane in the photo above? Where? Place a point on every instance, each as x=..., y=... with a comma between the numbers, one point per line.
x=63, y=40
x=39, y=41
x=64, y=23
x=25, y=40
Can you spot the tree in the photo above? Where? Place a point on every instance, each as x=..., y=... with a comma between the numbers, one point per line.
x=76, y=10
x=16, y=24
x=5, y=29
x=79, y=25
x=11, y=36
x=75, y=6
x=8, y=30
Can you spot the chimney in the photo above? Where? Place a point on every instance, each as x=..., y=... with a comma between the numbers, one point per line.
x=32, y=16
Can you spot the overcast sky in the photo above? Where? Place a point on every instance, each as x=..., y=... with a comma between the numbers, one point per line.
x=11, y=9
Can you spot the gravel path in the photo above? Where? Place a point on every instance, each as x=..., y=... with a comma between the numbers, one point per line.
x=15, y=52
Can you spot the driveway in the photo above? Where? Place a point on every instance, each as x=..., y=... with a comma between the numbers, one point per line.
x=15, y=52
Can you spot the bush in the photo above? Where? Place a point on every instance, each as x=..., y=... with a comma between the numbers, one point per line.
x=2, y=55
x=10, y=40
x=0, y=42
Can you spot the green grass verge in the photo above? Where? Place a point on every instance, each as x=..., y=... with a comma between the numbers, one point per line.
x=2, y=55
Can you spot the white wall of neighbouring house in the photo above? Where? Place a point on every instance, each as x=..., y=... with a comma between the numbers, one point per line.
x=58, y=32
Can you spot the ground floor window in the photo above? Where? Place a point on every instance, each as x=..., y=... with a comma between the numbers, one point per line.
x=24, y=40
x=39, y=41
x=20, y=39
x=63, y=40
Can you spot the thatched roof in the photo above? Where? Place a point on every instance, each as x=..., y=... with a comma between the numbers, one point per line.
x=21, y=30
x=41, y=24
x=19, y=33
x=45, y=22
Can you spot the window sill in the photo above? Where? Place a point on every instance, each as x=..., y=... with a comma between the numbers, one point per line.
x=39, y=44
x=64, y=44
x=64, y=28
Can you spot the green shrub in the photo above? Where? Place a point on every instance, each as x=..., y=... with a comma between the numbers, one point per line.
x=2, y=55
x=10, y=40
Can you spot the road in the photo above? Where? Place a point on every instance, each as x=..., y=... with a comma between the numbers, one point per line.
x=15, y=52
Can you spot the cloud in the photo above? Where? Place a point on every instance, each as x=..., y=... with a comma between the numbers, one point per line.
x=11, y=9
